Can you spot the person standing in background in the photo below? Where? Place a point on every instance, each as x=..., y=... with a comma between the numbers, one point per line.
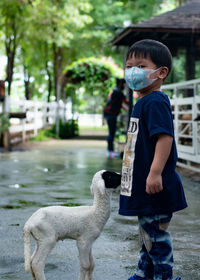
x=111, y=110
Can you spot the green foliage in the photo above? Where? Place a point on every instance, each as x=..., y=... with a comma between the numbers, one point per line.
x=92, y=73
x=44, y=135
x=56, y=21
x=178, y=70
x=120, y=136
x=67, y=130
x=89, y=81
x=4, y=123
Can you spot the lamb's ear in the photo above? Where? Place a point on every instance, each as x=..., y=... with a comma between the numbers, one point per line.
x=112, y=179
x=101, y=187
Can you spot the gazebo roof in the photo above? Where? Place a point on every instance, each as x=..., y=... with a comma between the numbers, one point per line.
x=172, y=28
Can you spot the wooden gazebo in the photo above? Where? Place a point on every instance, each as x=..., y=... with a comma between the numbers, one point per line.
x=178, y=29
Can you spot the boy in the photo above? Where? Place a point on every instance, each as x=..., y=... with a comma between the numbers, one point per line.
x=150, y=188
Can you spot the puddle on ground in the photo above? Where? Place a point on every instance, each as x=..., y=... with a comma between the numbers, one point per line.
x=8, y=276
x=8, y=267
x=50, y=266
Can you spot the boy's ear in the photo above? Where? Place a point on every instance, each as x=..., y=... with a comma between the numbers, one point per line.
x=163, y=72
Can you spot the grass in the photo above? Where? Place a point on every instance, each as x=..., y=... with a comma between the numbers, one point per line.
x=44, y=135
x=95, y=128
x=47, y=134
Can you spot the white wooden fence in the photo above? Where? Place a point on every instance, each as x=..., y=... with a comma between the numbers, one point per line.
x=185, y=111
x=42, y=114
x=187, y=130
x=38, y=115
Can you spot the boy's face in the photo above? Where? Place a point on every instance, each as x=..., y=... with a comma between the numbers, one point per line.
x=147, y=63
x=140, y=62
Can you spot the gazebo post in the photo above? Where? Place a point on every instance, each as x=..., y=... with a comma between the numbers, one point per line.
x=190, y=60
x=190, y=66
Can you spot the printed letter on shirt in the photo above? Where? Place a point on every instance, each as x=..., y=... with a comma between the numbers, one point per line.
x=128, y=158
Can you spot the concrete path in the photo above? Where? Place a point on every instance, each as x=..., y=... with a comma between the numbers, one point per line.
x=60, y=173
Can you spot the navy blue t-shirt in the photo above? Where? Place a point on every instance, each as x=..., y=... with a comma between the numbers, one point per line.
x=151, y=116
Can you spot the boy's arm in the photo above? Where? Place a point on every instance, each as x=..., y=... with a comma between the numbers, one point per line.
x=162, y=151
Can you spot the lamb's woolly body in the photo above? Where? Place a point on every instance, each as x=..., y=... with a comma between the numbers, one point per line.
x=83, y=223
x=68, y=222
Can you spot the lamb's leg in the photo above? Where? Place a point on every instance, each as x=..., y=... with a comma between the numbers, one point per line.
x=84, y=257
x=32, y=257
x=39, y=258
x=91, y=264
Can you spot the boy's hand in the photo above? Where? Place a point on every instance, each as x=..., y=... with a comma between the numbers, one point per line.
x=162, y=151
x=154, y=183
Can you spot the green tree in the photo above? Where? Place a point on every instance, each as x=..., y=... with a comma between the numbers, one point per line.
x=56, y=22
x=110, y=17
x=46, y=35
x=12, y=24
x=63, y=31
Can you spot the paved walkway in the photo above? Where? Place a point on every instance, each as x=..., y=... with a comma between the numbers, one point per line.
x=59, y=173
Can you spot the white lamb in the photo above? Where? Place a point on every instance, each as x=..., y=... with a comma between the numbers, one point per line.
x=83, y=223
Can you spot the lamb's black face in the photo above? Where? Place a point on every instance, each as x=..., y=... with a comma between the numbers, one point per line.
x=112, y=179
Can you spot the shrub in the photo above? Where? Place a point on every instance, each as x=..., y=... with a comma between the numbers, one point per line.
x=67, y=130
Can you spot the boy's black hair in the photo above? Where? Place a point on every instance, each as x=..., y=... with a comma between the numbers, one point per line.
x=157, y=51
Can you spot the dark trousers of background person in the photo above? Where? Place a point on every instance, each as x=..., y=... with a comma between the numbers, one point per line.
x=112, y=124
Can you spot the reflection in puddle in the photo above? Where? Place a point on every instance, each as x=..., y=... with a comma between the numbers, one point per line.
x=50, y=266
x=10, y=206
x=9, y=275
x=15, y=186
x=8, y=267
x=24, y=203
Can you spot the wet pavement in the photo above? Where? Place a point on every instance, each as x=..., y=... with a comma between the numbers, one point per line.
x=60, y=173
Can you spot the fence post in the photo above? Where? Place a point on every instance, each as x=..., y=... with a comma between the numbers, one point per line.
x=44, y=114
x=23, y=121
x=57, y=118
x=176, y=115
x=35, y=118
x=194, y=123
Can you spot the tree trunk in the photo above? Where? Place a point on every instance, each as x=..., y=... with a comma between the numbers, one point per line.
x=10, y=67
x=48, y=71
x=2, y=90
x=49, y=86
x=63, y=86
x=11, y=44
x=28, y=92
x=57, y=55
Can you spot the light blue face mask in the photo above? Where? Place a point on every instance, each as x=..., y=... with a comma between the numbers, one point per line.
x=137, y=78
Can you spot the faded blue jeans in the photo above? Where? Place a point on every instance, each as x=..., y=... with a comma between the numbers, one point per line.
x=156, y=256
